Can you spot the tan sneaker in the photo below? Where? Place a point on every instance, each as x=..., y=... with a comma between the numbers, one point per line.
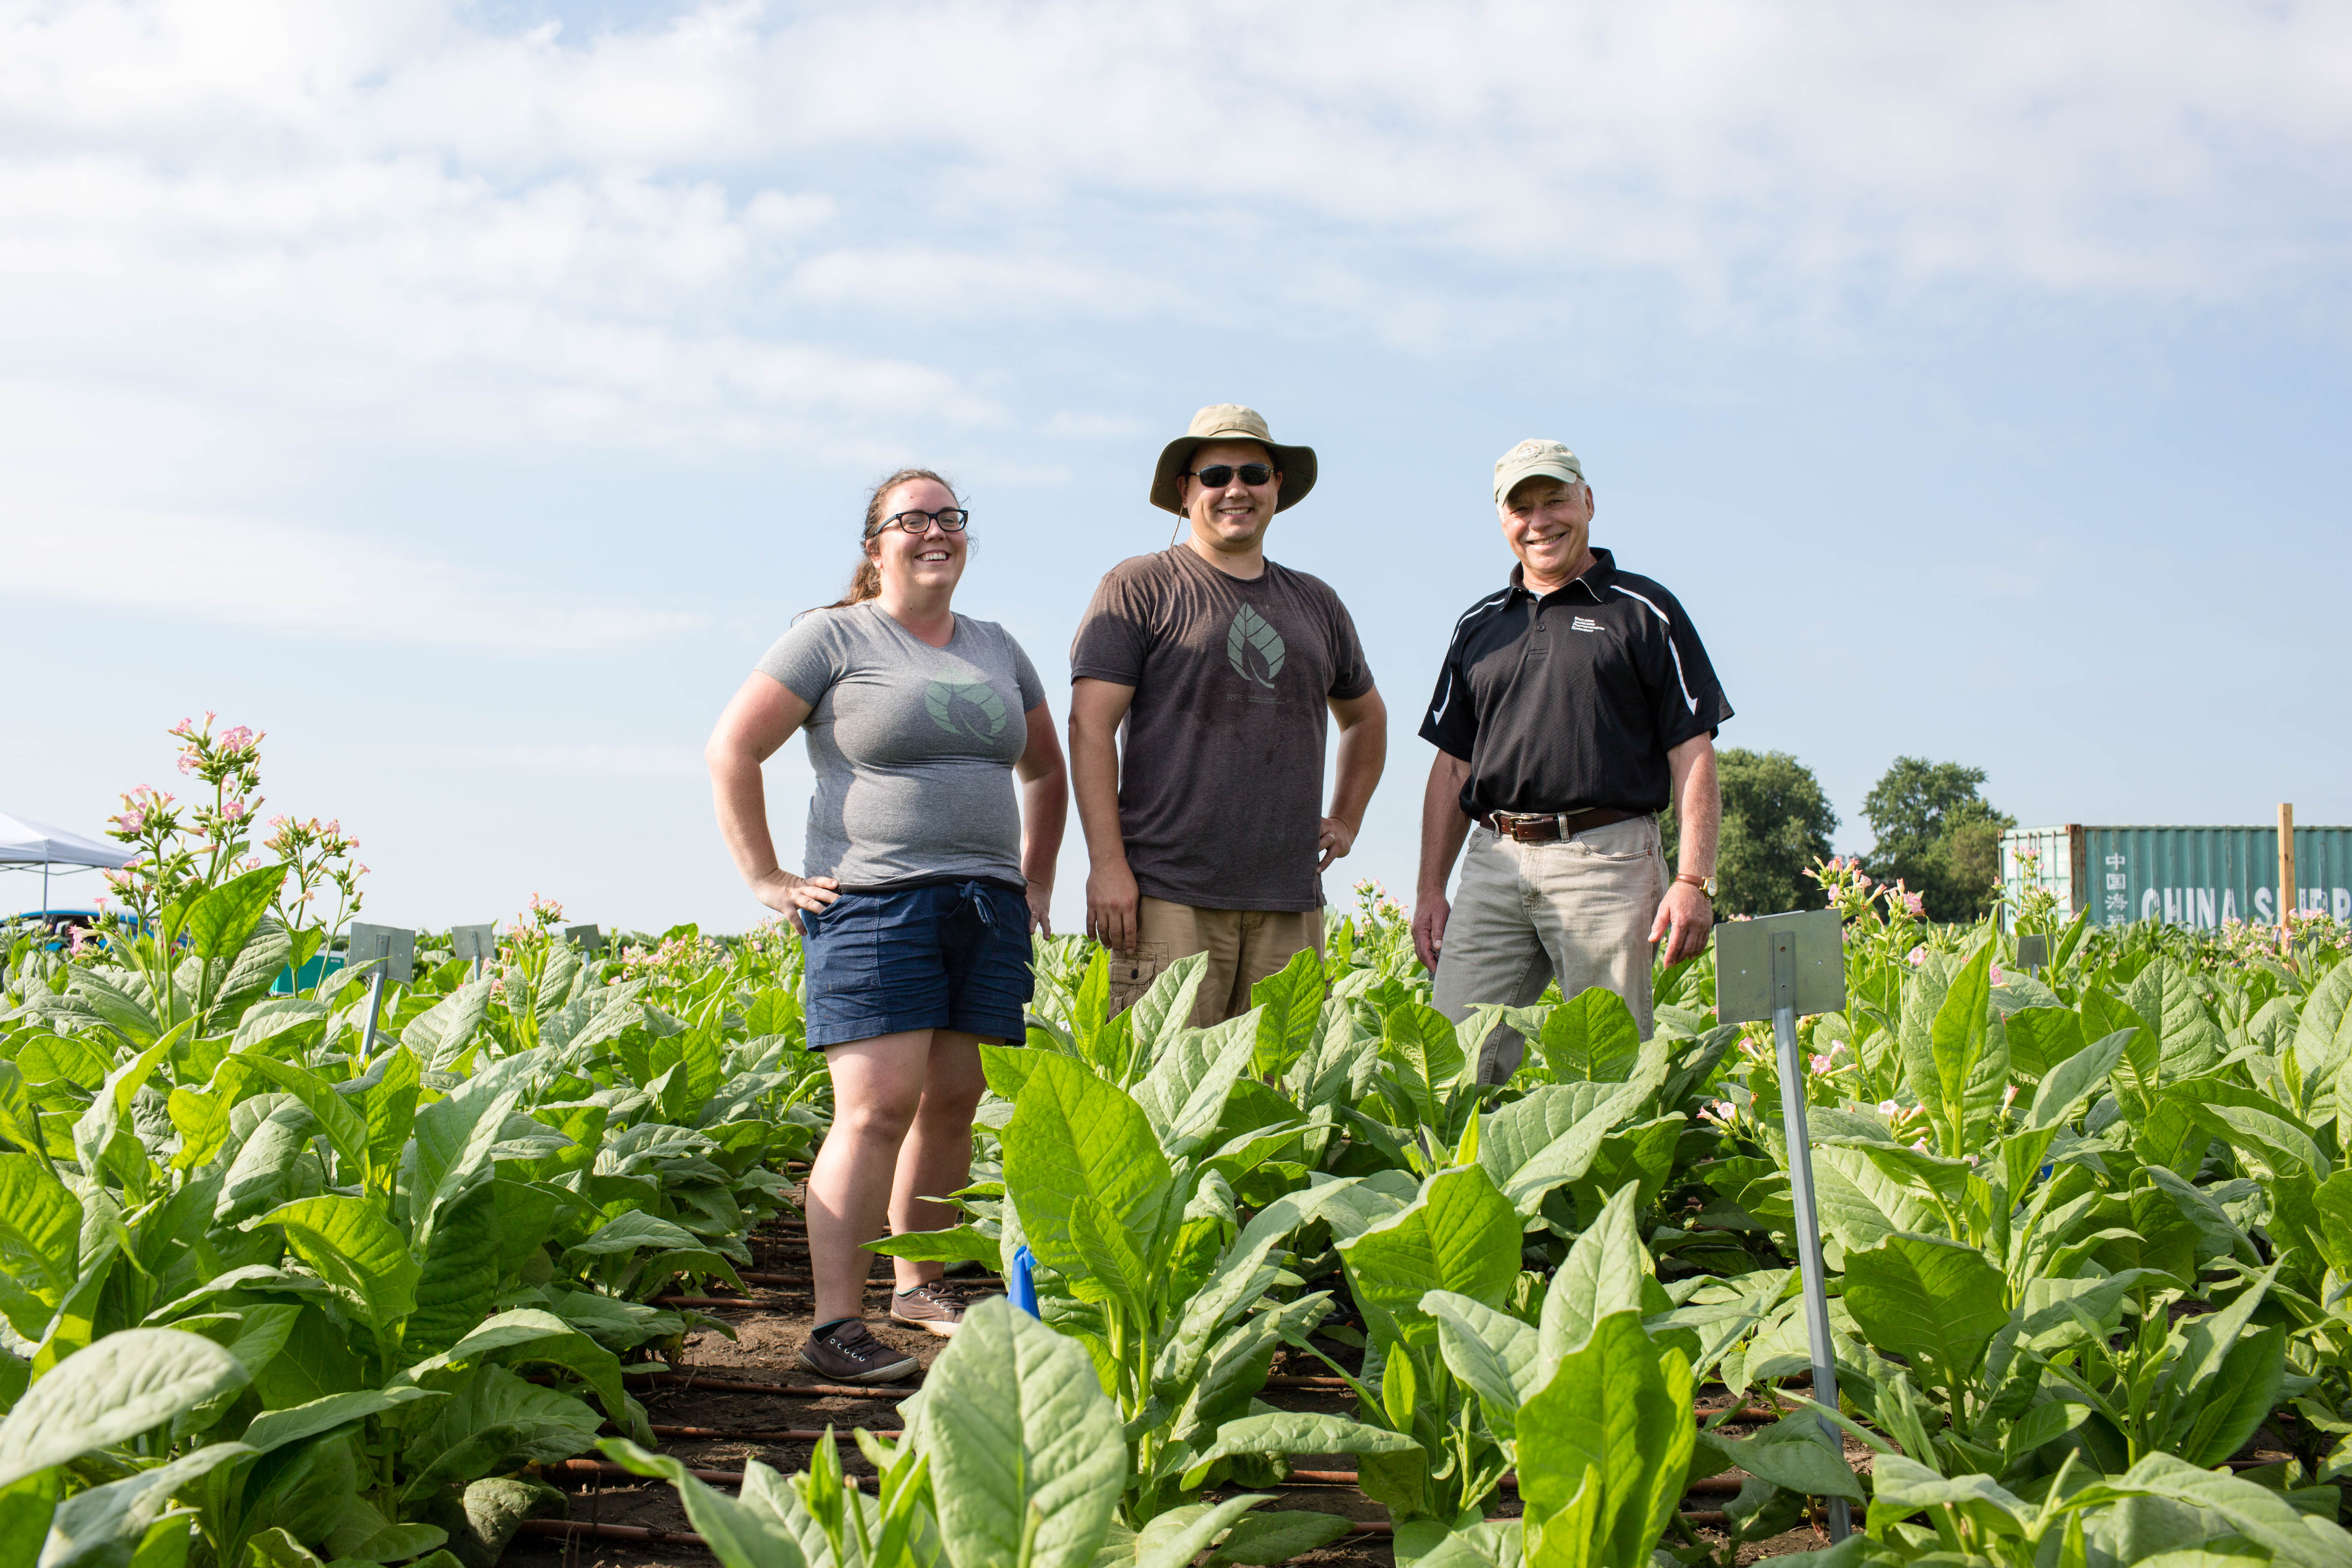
x=922, y=1307
x=845, y=1352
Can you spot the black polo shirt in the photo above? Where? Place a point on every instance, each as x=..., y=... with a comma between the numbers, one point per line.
x=1571, y=701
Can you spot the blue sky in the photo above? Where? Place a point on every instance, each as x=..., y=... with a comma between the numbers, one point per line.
x=467, y=395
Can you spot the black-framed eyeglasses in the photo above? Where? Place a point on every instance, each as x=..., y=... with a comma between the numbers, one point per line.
x=1218, y=478
x=950, y=519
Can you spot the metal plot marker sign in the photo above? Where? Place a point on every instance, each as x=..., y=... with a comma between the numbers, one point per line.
x=479, y=943
x=1776, y=968
x=394, y=951
x=588, y=938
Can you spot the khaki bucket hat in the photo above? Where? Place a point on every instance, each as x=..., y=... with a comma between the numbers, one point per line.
x=1231, y=422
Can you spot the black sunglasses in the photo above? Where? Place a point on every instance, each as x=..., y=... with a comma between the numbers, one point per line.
x=1218, y=478
x=950, y=519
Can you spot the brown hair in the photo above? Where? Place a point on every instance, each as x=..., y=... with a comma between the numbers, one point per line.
x=865, y=583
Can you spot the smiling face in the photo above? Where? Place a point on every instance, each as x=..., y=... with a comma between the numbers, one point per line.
x=927, y=562
x=1548, y=525
x=1229, y=520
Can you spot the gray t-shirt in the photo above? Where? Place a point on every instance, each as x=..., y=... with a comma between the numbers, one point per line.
x=913, y=746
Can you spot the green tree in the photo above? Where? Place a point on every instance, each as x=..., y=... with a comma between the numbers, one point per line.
x=1936, y=834
x=1776, y=825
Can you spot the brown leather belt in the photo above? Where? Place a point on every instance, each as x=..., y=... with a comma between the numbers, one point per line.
x=1550, y=827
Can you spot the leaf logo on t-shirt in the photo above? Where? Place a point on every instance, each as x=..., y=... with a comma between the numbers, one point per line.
x=970, y=708
x=1249, y=632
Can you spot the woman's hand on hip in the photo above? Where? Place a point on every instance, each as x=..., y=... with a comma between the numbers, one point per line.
x=788, y=895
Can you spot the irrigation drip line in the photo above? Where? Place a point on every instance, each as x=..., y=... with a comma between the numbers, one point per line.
x=781, y=1390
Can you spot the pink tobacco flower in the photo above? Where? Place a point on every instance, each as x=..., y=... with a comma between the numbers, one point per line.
x=1914, y=905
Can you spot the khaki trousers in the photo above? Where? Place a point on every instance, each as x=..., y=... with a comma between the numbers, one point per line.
x=1576, y=909
x=1244, y=946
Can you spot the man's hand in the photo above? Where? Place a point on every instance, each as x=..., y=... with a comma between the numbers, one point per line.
x=1686, y=914
x=1337, y=838
x=1111, y=902
x=1429, y=914
x=1040, y=907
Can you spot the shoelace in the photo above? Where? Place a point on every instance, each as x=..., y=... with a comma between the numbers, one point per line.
x=861, y=1349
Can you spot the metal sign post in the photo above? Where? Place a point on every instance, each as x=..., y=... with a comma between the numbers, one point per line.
x=586, y=936
x=1776, y=968
x=398, y=951
x=479, y=943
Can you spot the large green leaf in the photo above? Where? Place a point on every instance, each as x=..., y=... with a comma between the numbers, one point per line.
x=741, y=1534
x=2258, y=1513
x=40, y=1242
x=1421, y=1044
x=1183, y=1096
x=1499, y=1357
x=1289, y=1007
x=2189, y=1042
x=1552, y=1136
x=1602, y=1274
x=350, y=1246
x=2322, y=1032
x=126, y=1384
x=223, y=918
x=274, y=1430
x=1591, y=1036
x=1073, y=1137
x=441, y=1032
x=1295, y=1432
x=1959, y=1038
x=1618, y=1411
x=534, y=1424
x=528, y=1334
x=453, y=1147
x=1924, y=1297
x=103, y=1526
x=344, y=1127
x=1164, y=1012
x=1460, y=1235
x=1026, y=1450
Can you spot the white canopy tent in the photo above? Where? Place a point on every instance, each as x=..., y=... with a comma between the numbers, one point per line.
x=25, y=844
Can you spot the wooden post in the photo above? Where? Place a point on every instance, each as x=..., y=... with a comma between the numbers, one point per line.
x=2286, y=862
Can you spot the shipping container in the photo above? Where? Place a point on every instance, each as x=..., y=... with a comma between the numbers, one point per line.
x=2198, y=877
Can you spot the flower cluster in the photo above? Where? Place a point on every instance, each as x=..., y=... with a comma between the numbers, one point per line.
x=181, y=851
x=541, y=918
x=672, y=960
x=317, y=854
x=1849, y=890
x=2305, y=931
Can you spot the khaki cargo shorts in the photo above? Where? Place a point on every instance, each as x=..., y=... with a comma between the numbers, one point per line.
x=1244, y=946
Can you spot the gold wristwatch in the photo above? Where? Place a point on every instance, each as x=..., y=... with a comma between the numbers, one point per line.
x=1703, y=884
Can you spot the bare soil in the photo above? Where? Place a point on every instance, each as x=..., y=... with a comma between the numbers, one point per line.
x=764, y=1346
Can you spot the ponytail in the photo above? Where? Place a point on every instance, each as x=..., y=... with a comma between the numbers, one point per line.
x=865, y=583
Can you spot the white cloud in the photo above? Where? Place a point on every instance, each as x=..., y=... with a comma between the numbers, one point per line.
x=263, y=575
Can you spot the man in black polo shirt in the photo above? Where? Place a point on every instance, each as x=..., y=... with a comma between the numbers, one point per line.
x=1574, y=705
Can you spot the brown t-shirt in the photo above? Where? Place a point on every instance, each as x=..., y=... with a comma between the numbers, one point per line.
x=1221, y=783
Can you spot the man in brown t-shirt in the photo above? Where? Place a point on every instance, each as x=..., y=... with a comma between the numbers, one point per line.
x=1221, y=664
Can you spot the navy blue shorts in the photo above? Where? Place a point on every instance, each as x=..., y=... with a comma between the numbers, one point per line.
x=954, y=955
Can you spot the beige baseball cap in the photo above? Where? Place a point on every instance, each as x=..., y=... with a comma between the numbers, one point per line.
x=1232, y=422
x=1530, y=458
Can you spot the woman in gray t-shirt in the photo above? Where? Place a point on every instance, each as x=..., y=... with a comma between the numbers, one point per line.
x=922, y=879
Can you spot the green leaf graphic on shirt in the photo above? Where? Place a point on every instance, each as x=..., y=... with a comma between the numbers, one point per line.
x=1250, y=631
x=981, y=714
